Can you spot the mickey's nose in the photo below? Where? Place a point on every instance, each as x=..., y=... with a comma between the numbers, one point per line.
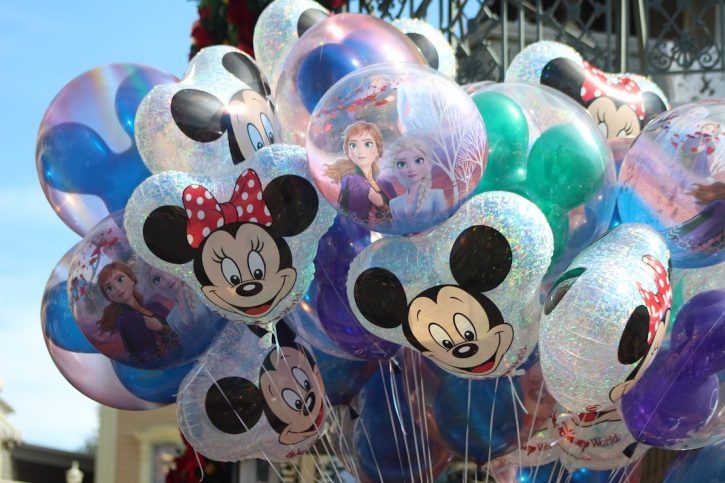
x=248, y=289
x=464, y=351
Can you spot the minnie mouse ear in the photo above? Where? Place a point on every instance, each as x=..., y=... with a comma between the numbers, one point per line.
x=234, y=405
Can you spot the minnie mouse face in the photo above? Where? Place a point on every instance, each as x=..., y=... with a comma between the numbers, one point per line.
x=241, y=260
x=456, y=326
x=290, y=394
x=249, y=118
x=617, y=105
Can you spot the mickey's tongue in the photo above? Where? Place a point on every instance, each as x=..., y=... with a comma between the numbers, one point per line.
x=587, y=417
x=259, y=309
x=320, y=417
x=485, y=367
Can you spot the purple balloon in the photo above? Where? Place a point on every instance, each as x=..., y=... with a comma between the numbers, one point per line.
x=678, y=394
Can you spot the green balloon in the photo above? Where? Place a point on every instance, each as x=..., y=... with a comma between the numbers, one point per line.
x=566, y=166
x=508, y=141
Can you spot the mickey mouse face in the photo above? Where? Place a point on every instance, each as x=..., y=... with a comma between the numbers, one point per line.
x=182, y=126
x=456, y=325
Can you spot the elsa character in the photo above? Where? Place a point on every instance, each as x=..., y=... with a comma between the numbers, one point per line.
x=409, y=159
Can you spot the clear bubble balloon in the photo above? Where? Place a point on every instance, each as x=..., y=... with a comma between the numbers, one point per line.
x=86, y=154
x=673, y=178
x=688, y=282
x=438, y=53
x=278, y=28
x=460, y=293
x=330, y=50
x=605, y=318
x=396, y=148
x=219, y=115
x=253, y=395
x=244, y=240
x=543, y=146
x=130, y=311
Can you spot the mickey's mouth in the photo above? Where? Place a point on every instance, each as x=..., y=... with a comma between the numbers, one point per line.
x=320, y=417
x=486, y=366
x=257, y=309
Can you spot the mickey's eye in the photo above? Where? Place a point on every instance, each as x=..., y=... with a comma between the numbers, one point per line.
x=464, y=326
x=400, y=164
x=255, y=262
x=301, y=378
x=419, y=161
x=254, y=137
x=267, y=127
x=292, y=399
x=440, y=335
x=231, y=271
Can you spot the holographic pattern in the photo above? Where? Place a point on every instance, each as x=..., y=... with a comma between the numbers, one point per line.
x=422, y=261
x=528, y=64
x=581, y=329
x=167, y=188
x=445, y=57
x=276, y=31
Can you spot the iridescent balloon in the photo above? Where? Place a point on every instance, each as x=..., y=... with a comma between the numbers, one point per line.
x=253, y=396
x=86, y=154
x=433, y=45
x=528, y=64
x=130, y=311
x=605, y=318
x=396, y=148
x=330, y=50
x=219, y=115
x=78, y=361
x=598, y=441
x=543, y=146
x=673, y=178
x=278, y=28
x=688, y=282
x=458, y=294
x=244, y=240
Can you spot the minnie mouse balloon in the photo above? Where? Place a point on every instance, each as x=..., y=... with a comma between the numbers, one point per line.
x=432, y=44
x=605, y=318
x=458, y=293
x=86, y=155
x=130, y=311
x=330, y=50
x=278, y=28
x=217, y=116
x=616, y=102
x=240, y=402
x=245, y=240
x=396, y=148
x=673, y=178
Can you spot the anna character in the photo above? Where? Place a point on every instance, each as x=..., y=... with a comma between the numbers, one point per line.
x=362, y=195
x=142, y=326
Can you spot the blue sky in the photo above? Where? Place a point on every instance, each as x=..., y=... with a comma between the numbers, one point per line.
x=43, y=45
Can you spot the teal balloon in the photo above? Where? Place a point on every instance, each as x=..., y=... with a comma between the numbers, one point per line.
x=508, y=141
x=566, y=166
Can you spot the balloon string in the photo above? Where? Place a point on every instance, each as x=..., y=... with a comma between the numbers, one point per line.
x=560, y=475
x=332, y=455
x=345, y=449
x=551, y=475
x=490, y=428
x=418, y=374
x=198, y=461
x=413, y=426
x=468, y=420
x=396, y=404
x=536, y=410
x=315, y=460
x=372, y=452
x=390, y=415
x=514, y=395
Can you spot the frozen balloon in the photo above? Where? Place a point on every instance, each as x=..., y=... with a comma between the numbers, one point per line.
x=86, y=155
x=244, y=240
x=396, y=148
x=219, y=115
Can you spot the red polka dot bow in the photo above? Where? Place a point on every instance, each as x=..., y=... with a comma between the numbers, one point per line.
x=657, y=303
x=206, y=214
x=597, y=84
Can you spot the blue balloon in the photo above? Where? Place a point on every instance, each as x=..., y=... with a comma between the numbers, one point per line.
x=343, y=377
x=555, y=472
x=321, y=68
x=59, y=324
x=703, y=466
x=155, y=385
x=379, y=441
x=455, y=419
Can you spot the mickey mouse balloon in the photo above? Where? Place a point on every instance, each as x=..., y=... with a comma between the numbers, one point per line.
x=217, y=116
x=240, y=402
x=619, y=105
x=244, y=240
x=605, y=318
x=458, y=294
x=433, y=45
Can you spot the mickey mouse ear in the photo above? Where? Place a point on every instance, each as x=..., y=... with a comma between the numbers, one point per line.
x=481, y=258
x=233, y=405
x=436, y=50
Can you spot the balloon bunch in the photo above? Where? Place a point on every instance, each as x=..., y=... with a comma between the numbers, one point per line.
x=423, y=274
